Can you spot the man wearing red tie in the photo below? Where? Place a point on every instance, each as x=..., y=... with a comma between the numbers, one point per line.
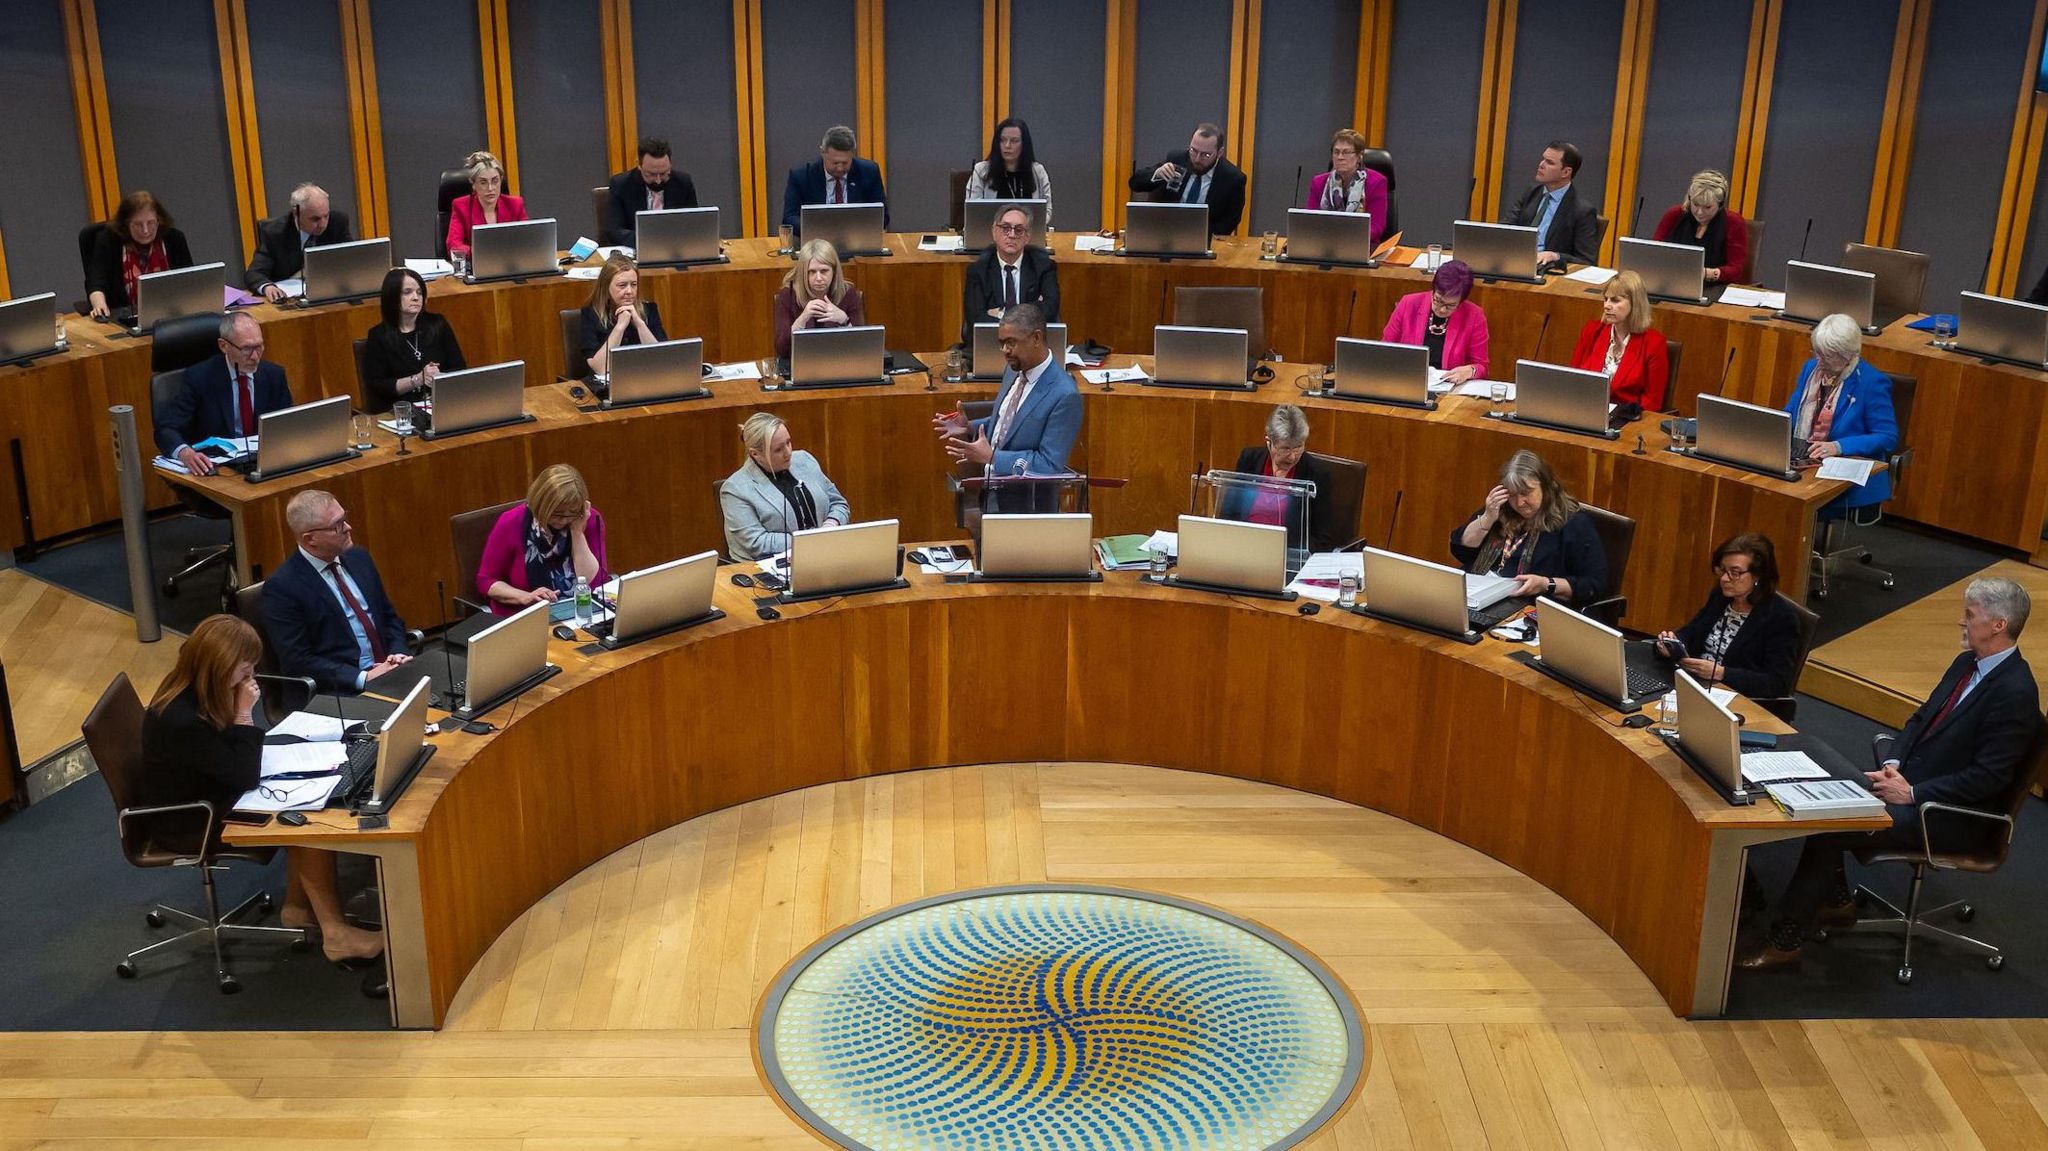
x=837, y=176
x=1966, y=746
x=325, y=614
x=221, y=397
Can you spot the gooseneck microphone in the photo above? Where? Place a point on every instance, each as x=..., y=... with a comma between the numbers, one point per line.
x=1984, y=281
x=1804, y=236
x=1636, y=222
x=448, y=700
x=1540, y=333
x=1394, y=518
x=1297, y=187
x=1722, y=387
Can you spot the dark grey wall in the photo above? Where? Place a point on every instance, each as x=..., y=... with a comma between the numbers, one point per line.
x=1433, y=111
x=1827, y=102
x=43, y=204
x=1960, y=141
x=1182, y=75
x=1308, y=64
x=296, y=58
x=682, y=68
x=1056, y=60
x=1693, y=102
x=169, y=118
x=558, y=82
x=934, y=120
x=1567, y=53
x=807, y=83
x=430, y=100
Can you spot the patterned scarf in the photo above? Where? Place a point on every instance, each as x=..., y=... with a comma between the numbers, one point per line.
x=547, y=558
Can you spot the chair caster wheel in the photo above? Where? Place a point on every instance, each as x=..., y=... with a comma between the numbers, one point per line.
x=1820, y=593
x=1886, y=584
x=1905, y=975
x=1965, y=913
x=154, y=919
x=125, y=969
x=264, y=903
x=229, y=985
x=1995, y=962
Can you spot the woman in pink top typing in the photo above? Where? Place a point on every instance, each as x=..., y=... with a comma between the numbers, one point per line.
x=487, y=202
x=1451, y=326
x=538, y=550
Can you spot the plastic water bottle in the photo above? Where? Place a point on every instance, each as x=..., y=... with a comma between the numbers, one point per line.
x=582, y=600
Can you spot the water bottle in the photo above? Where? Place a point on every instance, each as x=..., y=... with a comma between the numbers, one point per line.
x=582, y=600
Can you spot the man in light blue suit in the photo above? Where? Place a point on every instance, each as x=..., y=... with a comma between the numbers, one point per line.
x=1038, y=408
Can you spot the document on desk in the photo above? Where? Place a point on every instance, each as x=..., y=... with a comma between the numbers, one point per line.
x=1777, y=766
x=750, y=370
x=1753, y=298
x=312, y=727
x=292, y=288
x=942, y=244
x=1088, y=242
x=1592, y=274
x=1168, y=542
x=289, y=795
x=1484, y=388
x=1849, y=468
x=1320, y=572
x=1129, y=375
x=1437, y=383
x=431, y=269
x=306, y=759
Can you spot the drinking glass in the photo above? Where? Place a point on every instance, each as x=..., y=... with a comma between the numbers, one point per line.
x=1667, y=711
x=1944, y=331
x=1269, y=245
x=360, y=424
x=1676, y=425
x=401, y=417
x=1497, y=394
x=956, y=365
x=1436, y=258
x=1347, y=590
x=785, y=237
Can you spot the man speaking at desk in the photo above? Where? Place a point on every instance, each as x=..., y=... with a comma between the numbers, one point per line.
x=325, y=609
x=1038, y=408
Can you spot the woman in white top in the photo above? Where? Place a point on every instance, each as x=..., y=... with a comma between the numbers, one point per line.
x=1012, y=170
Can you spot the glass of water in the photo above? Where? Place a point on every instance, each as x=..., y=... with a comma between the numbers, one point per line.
x=401, y=417
x=1269, y=245
x=785, y=240
x=1436, y=258
x=1944, y=331
x=1497, y=397
x=956, y=365
x=1347, y=590
x=360, y=425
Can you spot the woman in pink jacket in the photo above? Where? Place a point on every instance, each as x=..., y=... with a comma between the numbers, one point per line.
x=1349, y=186
x=487, y=202
x=1442, y=319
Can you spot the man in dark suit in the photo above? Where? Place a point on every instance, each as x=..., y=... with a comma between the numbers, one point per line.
x=1038, y=408
x=1567, y=224
x=1011, y=271
x=651, y=187
x=222, y=396
x=1965, y=746
x=837, y=176
x=324, y=608
x=281, y=243
x=1203, y=177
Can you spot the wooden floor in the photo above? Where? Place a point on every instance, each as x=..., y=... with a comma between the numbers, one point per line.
x=614, y=1015
x=1885, y=668
x=60, y=650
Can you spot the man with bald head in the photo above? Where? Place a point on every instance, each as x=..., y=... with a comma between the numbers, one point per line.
x=281, y=243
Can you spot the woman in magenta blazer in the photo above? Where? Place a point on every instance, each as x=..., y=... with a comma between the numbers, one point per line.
x=486, y=203
x=1349, y=187
x=1442, y=319
x=1622, y=346
x=539, y=549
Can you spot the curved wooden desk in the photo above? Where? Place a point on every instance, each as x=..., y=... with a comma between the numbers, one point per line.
x=1980, y=432
x=624, y=743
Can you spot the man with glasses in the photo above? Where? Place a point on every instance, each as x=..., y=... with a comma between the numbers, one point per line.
x=221, y=398
x=1198, y=175
x=1011, y=271
x=652, y=187
x=324, y=610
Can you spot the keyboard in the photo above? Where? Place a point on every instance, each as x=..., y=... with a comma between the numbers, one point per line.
x=1644, y=683
x=356, y=774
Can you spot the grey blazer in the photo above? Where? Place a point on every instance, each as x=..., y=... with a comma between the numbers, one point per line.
x=757, y=518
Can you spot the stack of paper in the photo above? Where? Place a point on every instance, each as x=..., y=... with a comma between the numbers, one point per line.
x=1084, y=242
x=1592, y=274
x=431, y=269
x=289, y=795
x=303, y=759
x=1115, y=375
x=1753, y=298
x=1320, y=573
x=1823, y=799
x=1856, y=471
x=1778, y=766
x=1122, y=553
x=307, y=725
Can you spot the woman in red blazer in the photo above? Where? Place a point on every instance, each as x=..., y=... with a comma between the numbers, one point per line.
x=1622, y=346
x=486, y=203
x=1442, y=319
x=1704, y=221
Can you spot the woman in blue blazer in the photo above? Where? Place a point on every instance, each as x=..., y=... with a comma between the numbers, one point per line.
x=1843, y=406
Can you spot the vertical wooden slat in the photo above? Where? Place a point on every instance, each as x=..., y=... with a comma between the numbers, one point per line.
x=1119, y=71
x=871, y=105
x=1375, y=56
x=995, y=64
x=746, y=51
x=5, y=293
x=1243, y=122
x=89, y=107
x=238, y=91
x=621, y=104
x=1901, y=114
x=1496, y=79
x=1625, y=143
x=1757, y=72
x=500, y=125
x=365, y=125
x=2022, y=167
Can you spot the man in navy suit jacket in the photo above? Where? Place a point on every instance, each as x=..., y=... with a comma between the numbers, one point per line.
x=1966, y=746
x=837, y=176
x=221, y=396
x=325, y=609
x=1038, y=408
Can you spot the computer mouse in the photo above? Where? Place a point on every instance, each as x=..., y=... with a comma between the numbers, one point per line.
x=564, y=631
x=1309, y=608
x=766, y=612
x=1637, y=720
x=917, y=556
x=742, y=579
x=576, y=392
x=295, y=818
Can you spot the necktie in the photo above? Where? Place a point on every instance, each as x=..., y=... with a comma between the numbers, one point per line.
x=362, y=617
x=838, y=189
x=654, y=199
x=1954, y=698
x=1194, y=190
x=245, y=395
x=1010, y=403
x=1009, y=285
x=1543, y=218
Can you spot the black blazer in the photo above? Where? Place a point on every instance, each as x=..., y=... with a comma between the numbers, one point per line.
x=1972, y=757
x=1226, y=190
x=807, y=186
x=1323, y=536
x=185, y=759
x=204, y=405
x=309, y=629
x=103, y=270
x=596, y=328
x=1574, y=233
x=278, y=255
x=1038, y=282
x=1571, y=553
x=629, y=198
x=1763, y=659
x=388, y=357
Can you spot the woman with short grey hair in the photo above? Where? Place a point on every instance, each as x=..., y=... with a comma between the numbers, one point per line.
x=1287, y=426
x=1843, y=407
x=1285, y=456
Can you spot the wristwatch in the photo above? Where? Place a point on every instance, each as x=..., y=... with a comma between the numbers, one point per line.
x=1552, y=589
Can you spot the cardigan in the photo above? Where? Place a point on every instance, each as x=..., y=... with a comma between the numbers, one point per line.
x=1571, y=553
x=1762, y=661
x=505, y=555
x=787, y=310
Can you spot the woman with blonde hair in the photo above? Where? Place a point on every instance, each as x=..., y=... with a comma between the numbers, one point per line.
x=779, y=491
x=539, y=549
x=1622, y=346
x=1531, y=530
x=615, y=315
x=487, y=202
x=815, y=295
x=200, y=743
x=1705, y=221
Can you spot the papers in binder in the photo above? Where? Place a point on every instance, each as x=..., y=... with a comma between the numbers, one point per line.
x=1123, y=553
x=1849, y=468
x=1822, y=798
x=1437, y=383
x=292, y=288
x=1777, y=766
x=1753, y=298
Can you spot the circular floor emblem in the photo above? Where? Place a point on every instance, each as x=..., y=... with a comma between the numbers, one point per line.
x=1074, y=1018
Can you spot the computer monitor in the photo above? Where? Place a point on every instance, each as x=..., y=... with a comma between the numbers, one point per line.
x=1748, y=436
x=655, y=373
x=851, y=229
x=1178, y=231
x=513, y=251
x=1232, y=556
x=1341, y=239
x=350, y=271
x=1056, y=546
x=477, y=398
x=28, y=328
x=1566, y=399
x=1673, y=272
x=1592, y=658
x=676, y=238
x=1416, y=593
x=1709, y=735
x=1816, y=291
x=1379, y=372
x=402, y=749
x=505, y=659
x=844, y=559
x=1496, y=251
x=988, y=362
x=296, y=438
x=161, y=296
x=1210, y=358
x=2001, y=329
x=978, y=218
x=837, y=357
x=663, y=598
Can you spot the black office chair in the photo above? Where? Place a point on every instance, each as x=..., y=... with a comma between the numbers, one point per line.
x=284, y=694
x=601, y=210
x=177, y=344
x=360, y=349
x=172, y=835
x=88, y=238
x=454, y=186
x=1599, y=235
x=1226, y=308
x=956, y=187
x=1835, y=553
x=571, y=321
x=1674, y=351
x=1786, y=707
x=1344, y=495
x=1986, y=856
x=1617, y=538
x=1382, y=161
x=468, y=531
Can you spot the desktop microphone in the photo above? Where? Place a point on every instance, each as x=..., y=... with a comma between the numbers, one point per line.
x=1540, y=333
x=1395, y=518
x=447, y=700
x=1636, y=223
x=1722, y=387
x=1804, y=236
